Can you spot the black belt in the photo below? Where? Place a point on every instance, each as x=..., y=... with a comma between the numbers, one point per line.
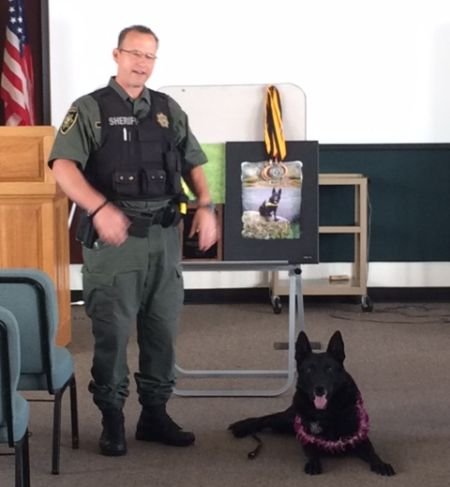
x=141, y=222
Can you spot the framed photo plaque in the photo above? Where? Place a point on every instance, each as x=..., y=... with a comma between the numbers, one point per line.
x=271, y=208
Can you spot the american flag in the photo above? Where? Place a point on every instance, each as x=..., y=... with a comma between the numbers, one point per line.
x=17, y=91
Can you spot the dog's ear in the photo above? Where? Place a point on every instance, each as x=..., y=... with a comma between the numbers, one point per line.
x=336, y=347
x=302, y=347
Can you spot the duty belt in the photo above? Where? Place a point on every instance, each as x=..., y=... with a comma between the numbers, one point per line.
x=141, y=222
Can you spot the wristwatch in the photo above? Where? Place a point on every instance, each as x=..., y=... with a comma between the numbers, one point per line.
x=211, y=206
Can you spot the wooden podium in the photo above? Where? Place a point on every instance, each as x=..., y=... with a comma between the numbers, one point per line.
x=34, y=213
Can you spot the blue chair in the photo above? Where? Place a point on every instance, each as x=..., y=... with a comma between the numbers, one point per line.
x=30, y=295
x=14, y=409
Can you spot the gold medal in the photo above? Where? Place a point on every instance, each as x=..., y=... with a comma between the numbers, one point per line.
x=274, y=171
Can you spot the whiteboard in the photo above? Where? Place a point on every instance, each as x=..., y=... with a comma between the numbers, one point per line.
x=220, y=113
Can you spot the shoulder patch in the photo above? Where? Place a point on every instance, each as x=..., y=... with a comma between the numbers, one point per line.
x=162, y=119
x=69, y=120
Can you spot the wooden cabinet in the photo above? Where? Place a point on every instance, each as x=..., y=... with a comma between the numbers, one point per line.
x=190, y=244
x=34, y=213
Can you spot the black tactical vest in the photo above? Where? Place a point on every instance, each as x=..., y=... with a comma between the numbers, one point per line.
x=137, y=158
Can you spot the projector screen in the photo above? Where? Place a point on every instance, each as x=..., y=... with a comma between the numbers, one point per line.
x=372, y=72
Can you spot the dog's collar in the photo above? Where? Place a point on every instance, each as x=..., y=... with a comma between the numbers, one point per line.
x=342, y=444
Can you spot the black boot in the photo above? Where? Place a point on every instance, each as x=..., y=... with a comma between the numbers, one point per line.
x=156, y=425
x=112, y=441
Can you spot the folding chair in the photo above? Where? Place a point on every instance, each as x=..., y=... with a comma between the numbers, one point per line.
x=30, y=295
x=14, y=409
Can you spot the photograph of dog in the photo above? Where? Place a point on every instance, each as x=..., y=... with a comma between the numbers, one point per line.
x=269, y=207
x=327, y=413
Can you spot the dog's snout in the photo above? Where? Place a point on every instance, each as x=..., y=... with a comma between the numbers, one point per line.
x=319, y=391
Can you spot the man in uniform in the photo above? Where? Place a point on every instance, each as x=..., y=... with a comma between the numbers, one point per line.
x=120, y=155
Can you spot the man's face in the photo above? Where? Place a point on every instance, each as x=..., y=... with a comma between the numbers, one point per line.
x=135, y=60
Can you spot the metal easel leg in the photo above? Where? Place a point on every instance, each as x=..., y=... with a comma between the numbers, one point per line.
x=301, y=309
x=296, y=316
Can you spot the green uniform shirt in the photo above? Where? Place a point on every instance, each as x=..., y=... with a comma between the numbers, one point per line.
x=80, y=132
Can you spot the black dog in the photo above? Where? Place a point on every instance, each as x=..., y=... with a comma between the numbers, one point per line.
x=269, y=207
x=327, y=413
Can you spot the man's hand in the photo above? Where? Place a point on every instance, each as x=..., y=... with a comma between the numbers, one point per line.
x=111, y=225
x=204, y=224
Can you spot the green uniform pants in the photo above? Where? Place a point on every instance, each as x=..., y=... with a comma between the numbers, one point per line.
x=139, y=282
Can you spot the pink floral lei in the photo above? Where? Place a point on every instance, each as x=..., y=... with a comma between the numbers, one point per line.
x=340, y=445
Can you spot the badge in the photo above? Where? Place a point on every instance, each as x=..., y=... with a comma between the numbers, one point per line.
x=162, y=119
x=69, y=120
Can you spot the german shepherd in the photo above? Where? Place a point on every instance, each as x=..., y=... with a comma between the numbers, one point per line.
x=327, y=414
x=269, y=207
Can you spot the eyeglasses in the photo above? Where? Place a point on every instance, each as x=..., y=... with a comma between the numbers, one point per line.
x=139, y=55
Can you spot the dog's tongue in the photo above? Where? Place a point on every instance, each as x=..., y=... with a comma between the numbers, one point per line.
x=320, y=402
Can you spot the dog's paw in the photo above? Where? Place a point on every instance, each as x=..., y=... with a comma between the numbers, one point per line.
x=244, y=427
x=382, y=468
x=313, y=466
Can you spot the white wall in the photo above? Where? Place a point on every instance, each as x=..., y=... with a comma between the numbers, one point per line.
x=373, y=72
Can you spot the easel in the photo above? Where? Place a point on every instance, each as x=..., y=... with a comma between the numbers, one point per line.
x=236, y=112
x=295, y=324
